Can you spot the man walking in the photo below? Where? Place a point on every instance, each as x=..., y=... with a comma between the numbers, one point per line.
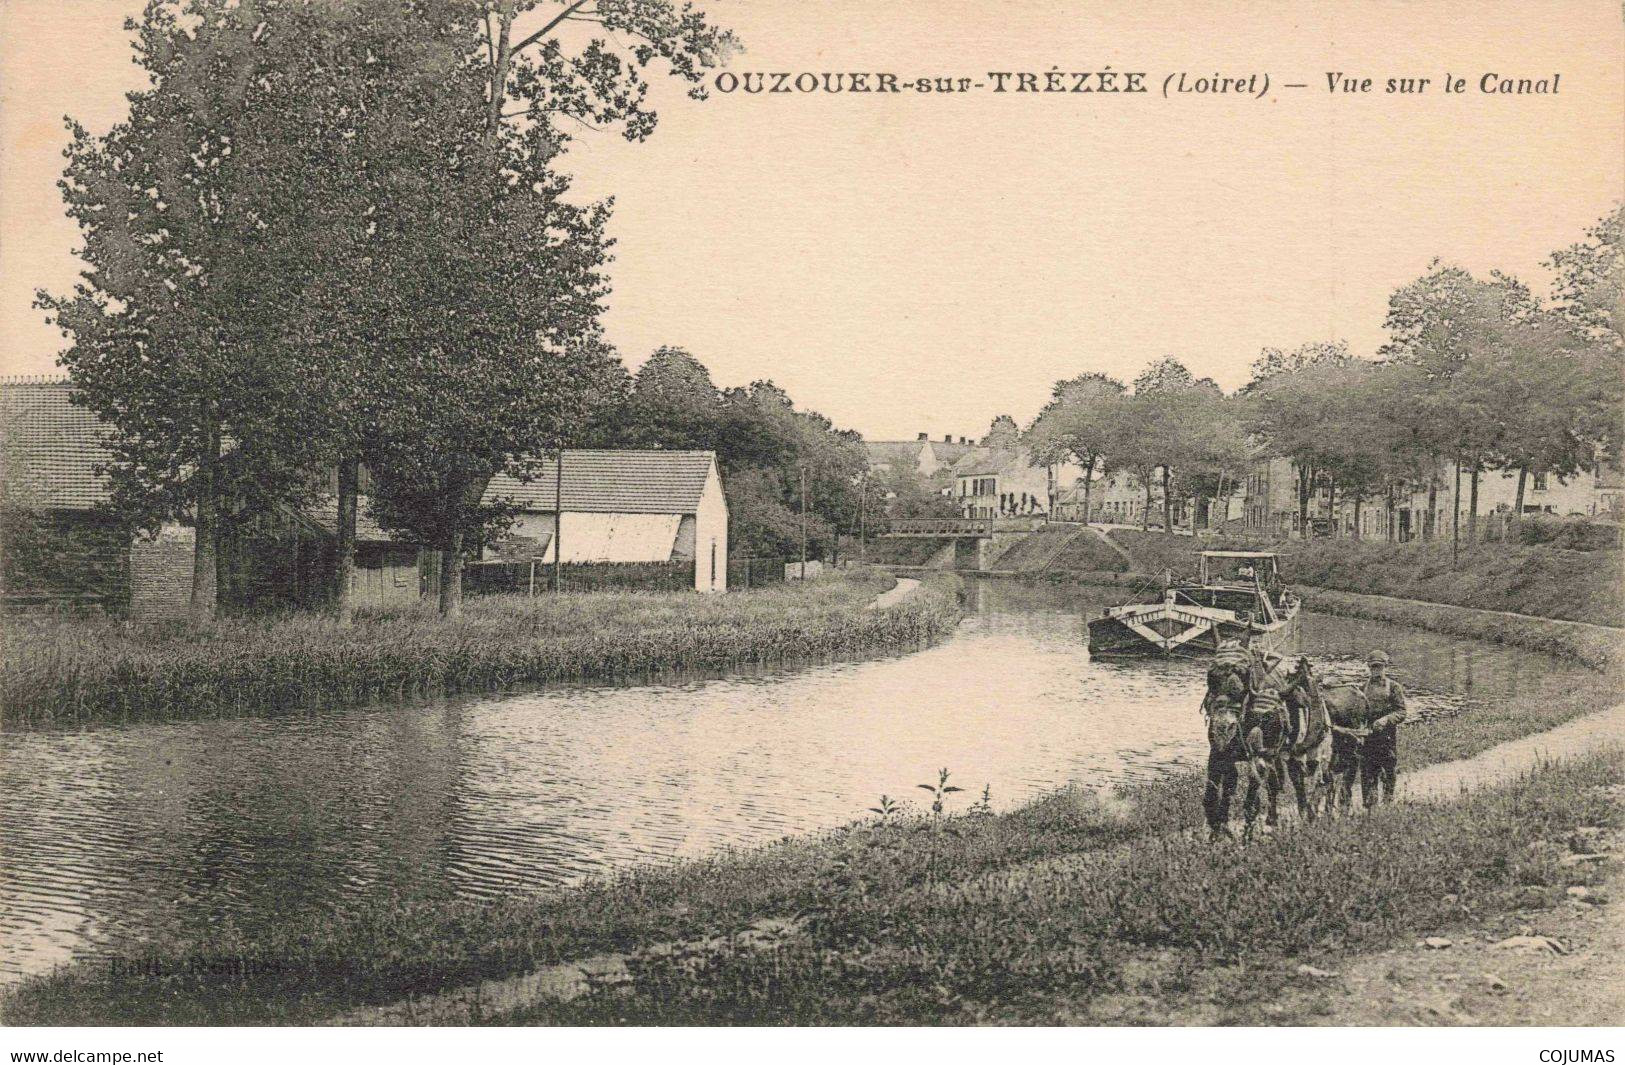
x=1385, y=711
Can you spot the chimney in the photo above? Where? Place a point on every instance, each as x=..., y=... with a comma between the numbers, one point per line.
x=948, y=439
x=924, y=436
x=962, y=440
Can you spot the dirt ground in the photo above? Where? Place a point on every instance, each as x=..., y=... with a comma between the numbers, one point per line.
x=1562, y=966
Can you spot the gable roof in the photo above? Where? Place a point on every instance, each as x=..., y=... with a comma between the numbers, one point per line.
x=55, y=445
x=894, y=452
x=947, y=453
x=984, y=460
x=613, y=482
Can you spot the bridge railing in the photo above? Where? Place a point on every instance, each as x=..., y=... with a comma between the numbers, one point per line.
x=957, y=526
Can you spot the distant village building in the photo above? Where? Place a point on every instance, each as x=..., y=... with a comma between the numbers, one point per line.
x=921, y=455
x=1006, y=482
x=622, y=507
x=1272, y=505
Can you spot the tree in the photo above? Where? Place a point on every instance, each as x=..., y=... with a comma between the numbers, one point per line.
x=517, y=367
x=1589, y=289
x=1003, y=433
x=1438, y=324
x=189, y=210
x=1079, y=423
x=1161, y=427
x=1293, y=404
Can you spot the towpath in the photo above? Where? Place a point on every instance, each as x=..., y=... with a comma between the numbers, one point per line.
x=902, y=590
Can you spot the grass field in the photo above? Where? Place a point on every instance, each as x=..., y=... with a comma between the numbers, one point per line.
x=1541, y=580
x=72, y=671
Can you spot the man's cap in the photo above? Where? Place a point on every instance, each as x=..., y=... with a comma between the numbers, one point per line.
x=1376, y=657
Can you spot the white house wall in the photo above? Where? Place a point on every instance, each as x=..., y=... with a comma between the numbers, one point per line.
x=711, y=537
x=606, y=537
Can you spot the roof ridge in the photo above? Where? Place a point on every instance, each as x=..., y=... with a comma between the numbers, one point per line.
x=36, y=379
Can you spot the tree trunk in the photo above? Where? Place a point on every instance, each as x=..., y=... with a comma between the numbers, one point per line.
x=1517, y=507
x=1331, y=509
x=1429, y=522
x=1306, y=481
x=1455, y=518
x=451, y=577
x=206, y=540
x=1167, y=502
x=1145, y=512
x=349, y=476
x=1472, y=507
x=1088, y=486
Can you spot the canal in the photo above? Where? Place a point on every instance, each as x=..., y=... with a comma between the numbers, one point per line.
x=111, y=838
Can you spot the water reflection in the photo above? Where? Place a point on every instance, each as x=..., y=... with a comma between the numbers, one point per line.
x=112, y=836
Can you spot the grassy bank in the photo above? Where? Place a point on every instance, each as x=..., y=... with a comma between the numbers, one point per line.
x=1541, y=580
x=1035, y=916
x=72, y=671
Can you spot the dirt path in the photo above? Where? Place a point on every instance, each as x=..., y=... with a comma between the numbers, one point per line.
x=1446, y=780
x=1537, y=966
x=902, y=590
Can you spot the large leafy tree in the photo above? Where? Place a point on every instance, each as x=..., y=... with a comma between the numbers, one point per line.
x=197, y=212
x=1589, y=289
x=1438, y=325
x=1078, y=424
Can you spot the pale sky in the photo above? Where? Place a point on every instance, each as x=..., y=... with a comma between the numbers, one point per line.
x=922, y=263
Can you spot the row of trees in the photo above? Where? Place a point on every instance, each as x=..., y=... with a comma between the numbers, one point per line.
x=1477, y=373
x=1170, y=429
x=329, y=234
x=791, y=476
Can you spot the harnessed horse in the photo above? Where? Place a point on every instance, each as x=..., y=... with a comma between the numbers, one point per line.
x=1268, y=725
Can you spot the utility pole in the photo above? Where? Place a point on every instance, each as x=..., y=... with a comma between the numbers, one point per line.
x=804, y=523
x=558, y=518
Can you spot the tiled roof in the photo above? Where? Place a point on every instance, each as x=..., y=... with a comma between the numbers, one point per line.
x=983, y=460
x=613, y=482
x=55, y=445
x=894, y=452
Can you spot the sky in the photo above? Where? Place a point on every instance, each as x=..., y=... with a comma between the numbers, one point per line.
x=921, y=263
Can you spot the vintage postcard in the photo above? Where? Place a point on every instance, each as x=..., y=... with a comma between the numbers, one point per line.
x=648, y=513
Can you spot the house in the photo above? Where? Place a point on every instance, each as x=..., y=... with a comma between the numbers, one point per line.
x=56, y=545
x=992, y=482
x=922, y=455
x=621, y=507
x=1272, y=509
x=62, y=548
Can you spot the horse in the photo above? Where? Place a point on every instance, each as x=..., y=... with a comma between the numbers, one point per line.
x=1269, y=725
x=1247, y=734
x=1308, y=755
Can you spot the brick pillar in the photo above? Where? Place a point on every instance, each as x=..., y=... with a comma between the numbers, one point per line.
x=161, y=573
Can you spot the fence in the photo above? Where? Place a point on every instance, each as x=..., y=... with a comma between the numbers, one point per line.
x=495, y=578
x=754, y=572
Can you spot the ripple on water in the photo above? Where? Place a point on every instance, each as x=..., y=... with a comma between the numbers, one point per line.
x=113, y=837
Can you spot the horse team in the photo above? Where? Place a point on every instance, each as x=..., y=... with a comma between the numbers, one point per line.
x=1269, y=723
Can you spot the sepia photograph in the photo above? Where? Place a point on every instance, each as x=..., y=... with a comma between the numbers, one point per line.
x=776, y=514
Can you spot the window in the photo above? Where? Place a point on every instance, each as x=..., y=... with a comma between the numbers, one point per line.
x=1540, y=482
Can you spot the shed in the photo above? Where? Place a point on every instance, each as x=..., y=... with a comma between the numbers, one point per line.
x=622, y=506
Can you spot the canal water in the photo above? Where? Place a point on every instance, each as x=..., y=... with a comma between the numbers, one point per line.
x=113, y=837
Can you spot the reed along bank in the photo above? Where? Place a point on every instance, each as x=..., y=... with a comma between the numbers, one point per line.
x=68, y=671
